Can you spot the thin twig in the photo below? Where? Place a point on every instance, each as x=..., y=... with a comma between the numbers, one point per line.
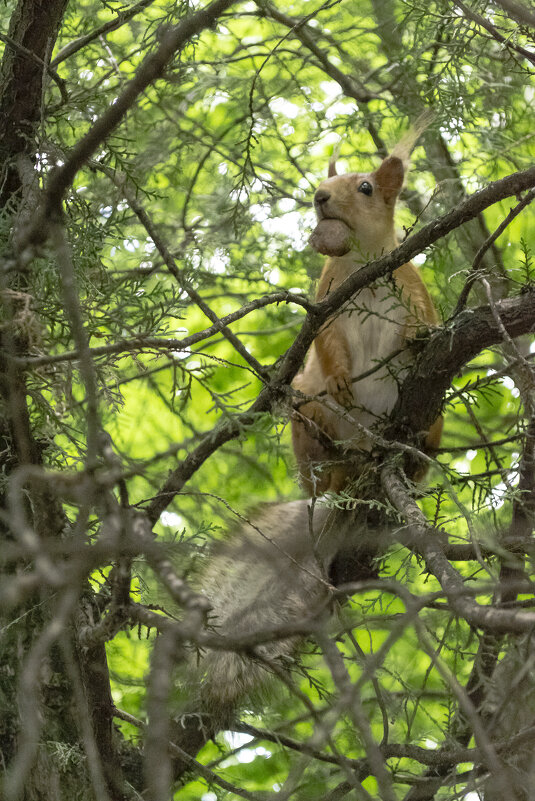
x=107, y=27
x=474, y=270
x=518, y=11
x=494, y=32
x=151, y=68
x=72, y=307
x=487, y=618
x=181, y=279
x=192, y=763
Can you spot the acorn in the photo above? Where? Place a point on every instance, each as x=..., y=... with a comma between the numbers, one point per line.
x=331, y=237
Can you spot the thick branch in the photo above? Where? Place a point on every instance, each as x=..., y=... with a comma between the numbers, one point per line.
x=453, y=346
x=487, y=618
x=33, y=28
x=518, y=317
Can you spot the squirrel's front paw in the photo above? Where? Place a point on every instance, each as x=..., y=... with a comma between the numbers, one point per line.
x=339, y=388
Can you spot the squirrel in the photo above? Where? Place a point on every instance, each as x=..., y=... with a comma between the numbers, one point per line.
x=280, y=568
x=355, y=225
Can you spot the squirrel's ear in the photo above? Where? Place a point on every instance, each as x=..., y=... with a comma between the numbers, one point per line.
x=392, y=171
x=389, y=178
x=332, y=167
x=332, y=161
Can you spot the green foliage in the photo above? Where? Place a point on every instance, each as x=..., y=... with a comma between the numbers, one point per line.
x=224, y=152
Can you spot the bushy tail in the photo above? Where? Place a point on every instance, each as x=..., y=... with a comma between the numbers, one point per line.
x=272, y=572
x=276, y=570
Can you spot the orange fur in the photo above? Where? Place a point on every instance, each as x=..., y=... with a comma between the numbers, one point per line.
x=376, y=322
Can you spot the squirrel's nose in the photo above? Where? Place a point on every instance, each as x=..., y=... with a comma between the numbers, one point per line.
x=321, y=196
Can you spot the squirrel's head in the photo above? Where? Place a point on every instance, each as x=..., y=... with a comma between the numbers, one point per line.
x=356, y=211
x=364, y=203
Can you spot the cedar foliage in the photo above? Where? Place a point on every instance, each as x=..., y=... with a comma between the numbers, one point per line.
x=158, y=164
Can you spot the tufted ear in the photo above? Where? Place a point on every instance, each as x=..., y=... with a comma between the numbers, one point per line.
x=332, y=161
x=332, y=167
x=389, y=178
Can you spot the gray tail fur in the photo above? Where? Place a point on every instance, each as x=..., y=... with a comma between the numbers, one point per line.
x=274, y=571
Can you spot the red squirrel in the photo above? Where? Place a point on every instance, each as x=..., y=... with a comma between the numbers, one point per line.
x=277, y=569
x=355, y=225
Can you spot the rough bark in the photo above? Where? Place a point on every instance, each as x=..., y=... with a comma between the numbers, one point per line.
x=34, y=26
x=447, y=351
x=33, y=29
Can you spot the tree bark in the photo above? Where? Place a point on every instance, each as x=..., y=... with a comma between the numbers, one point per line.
x=33, y=30
x=55, y=770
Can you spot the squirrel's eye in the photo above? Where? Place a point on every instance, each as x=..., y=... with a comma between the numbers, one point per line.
x=366, y=188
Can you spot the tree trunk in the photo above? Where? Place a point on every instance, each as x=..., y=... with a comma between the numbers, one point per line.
x=44, y=757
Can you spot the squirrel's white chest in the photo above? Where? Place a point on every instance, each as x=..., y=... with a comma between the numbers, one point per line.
x=373, y=326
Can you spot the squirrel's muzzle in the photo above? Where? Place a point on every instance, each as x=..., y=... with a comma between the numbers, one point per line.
x=321, y=197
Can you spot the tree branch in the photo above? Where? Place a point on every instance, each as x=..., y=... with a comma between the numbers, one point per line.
x=494, y=32
x=151, y=68
x=33, y=27
x=107, y=27
x=474, y=330
x=518, y=11
x=486, y=618
x=453, y=346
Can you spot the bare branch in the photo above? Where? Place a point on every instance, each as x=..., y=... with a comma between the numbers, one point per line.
x=488, y=26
